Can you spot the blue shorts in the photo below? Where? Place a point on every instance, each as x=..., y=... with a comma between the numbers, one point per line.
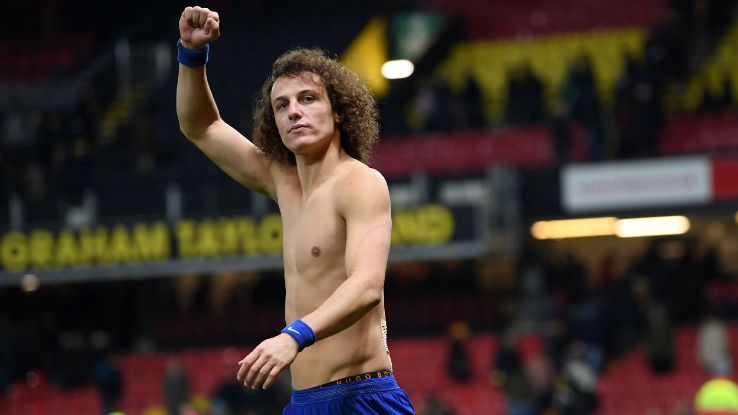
x=371, y=396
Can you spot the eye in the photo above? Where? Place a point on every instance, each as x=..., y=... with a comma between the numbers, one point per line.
x=281, y=105
x=308, y=98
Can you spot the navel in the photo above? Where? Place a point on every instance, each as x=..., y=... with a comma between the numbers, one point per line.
x=315, y=251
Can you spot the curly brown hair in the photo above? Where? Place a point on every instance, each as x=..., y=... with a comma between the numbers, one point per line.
x=349, y=96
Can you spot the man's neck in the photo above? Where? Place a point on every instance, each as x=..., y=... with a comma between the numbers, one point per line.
x=314, y=169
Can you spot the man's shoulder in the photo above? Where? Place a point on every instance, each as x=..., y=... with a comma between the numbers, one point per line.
x=355, y=173
x=360, y=184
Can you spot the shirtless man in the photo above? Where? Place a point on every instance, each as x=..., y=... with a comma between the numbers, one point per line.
x=315, y=123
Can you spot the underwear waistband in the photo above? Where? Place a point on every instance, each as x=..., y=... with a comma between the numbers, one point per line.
x=358, y=378
x=334, y=390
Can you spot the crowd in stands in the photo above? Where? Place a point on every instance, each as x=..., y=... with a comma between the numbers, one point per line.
x=51, y=156
x=47, y=150
x=585, y=319
x=629, y=127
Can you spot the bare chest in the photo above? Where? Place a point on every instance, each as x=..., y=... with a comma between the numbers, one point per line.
x=314, y=234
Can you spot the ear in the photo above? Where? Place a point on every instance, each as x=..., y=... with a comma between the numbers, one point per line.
x=336, y=118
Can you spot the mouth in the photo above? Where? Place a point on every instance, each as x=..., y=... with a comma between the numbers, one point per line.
x=297, y=127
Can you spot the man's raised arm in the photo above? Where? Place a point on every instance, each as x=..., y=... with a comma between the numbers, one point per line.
x=198, y=114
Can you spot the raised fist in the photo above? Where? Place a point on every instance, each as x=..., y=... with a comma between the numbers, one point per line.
x=198, y=26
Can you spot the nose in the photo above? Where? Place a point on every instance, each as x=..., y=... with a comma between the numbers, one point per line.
x=294, y=112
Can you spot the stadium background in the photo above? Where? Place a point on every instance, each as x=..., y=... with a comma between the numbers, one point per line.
x=131, y=269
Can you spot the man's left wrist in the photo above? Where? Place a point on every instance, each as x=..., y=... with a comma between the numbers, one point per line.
x=303, y=335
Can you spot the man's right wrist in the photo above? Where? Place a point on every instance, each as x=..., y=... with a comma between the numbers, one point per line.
x=192, y=57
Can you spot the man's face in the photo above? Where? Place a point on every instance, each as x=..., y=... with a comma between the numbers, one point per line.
x=302, y=111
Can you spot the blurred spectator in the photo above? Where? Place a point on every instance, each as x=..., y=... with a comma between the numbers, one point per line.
x=145, y=146
x=572, y=278
x=560, y=132
x=718, y=16
x=534, y=302
x=666, y=46
x=20, y=127
x=232, y=398
x=557, y=341
x=175, y=386
x=506, y=360
x=582, y=379
x=629, y=300
x=281, y=392
x=718, y=100
x=638, y=109
x=443, y=119
x=76, y=175
x=713, y=346
x=88, y=113
x=70, y=366
x=660, y=340
x=717, y=396
x=109, y=384
x=646, y=100
x=703, y=260
x=626, y=123
x=524, y=96
x=521, y=397
x=431, y=108
x=476, y=118
x=581, y=97
x=588, y=324
x=33, y=179
x=564, y=399
x=508, y=374
x=423, y=106
x=696, y=268
x=12, y=361
x=434, y=406
x=662, y=265
x=540, y=374
x=458, y=358
x=606, y=270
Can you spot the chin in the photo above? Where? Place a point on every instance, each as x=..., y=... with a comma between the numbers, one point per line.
x=305, y=142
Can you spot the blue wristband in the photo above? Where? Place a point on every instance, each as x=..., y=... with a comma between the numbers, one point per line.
x=301, y=332
x=189, y=57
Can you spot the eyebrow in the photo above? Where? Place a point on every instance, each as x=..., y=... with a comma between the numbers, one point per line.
x=302, y=92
